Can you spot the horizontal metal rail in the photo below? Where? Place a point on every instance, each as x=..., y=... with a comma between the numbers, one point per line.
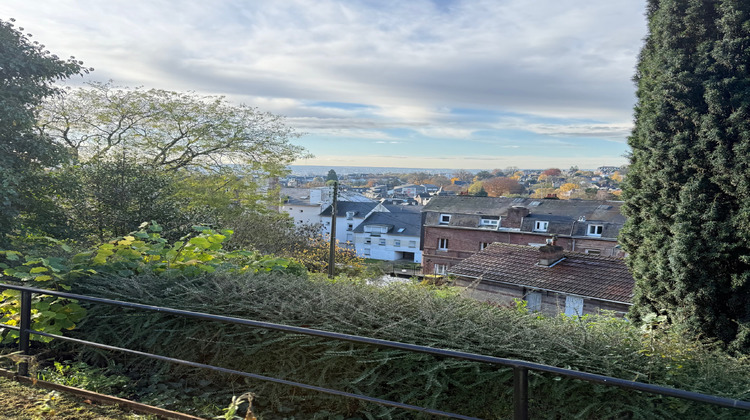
x=520, y=367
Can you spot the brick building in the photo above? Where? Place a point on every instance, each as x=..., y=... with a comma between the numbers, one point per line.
x=456, y=227
x=550, y=280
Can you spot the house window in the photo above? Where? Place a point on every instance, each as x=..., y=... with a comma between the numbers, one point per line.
x=381, y=242
x=440, y=269
x=534, y=301
x=445, y=219
x=396, y=242
x=483, y=245
x=595, y=230
x=367, y=252
x=349, y=226
x=573, y=306
x=368, y=240
x=443, y=244
x=412, y=244
x=594, y=251
x=489, y=222
x=541, y=226
x=349, y=215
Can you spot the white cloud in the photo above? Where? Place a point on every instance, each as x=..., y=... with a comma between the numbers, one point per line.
x=410, y=60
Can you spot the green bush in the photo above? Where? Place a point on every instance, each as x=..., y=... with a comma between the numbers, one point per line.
x=407, y=313
x=141, y=252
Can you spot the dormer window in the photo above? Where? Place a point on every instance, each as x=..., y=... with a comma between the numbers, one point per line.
x=493, y=223
x=595, y=230
x=445, y=219
x=540, y=226
x=349, y=215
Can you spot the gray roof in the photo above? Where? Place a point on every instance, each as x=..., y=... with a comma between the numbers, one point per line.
x=605, y=278
x=360, y=209
x=410, y=221
x=297, y=196
x=565, y=217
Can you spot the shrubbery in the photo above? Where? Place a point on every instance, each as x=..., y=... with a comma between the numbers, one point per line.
x=406, y=313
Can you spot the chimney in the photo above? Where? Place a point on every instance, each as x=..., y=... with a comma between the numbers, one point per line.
x=513, y=219
x=550, y=254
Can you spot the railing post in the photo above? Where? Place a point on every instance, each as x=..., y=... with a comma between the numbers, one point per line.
x=25, y=327
x=520, y=393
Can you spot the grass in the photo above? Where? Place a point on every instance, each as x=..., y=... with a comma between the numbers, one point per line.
x=21, y=402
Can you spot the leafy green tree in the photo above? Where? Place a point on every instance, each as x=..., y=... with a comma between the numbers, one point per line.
x=482, y=175
x=171, y=130
x=113, y=198
x=688, y=228
x=481, y=193
x=332, y=176
x=27, y=74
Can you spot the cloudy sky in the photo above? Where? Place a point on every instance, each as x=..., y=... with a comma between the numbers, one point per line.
x=471, y=84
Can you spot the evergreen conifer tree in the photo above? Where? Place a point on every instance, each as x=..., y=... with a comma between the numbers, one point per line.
x=688, y=189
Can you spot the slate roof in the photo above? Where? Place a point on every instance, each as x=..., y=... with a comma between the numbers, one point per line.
x=566, y=217
x=593, y=276
x=409, y=220
x=360, y=209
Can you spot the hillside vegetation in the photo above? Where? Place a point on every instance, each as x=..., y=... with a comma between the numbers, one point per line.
x=406, y=313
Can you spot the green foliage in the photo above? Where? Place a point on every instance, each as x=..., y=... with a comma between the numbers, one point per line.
x=141, y=252
x=172, y=130
x=412, y=314
x=111, y=198
x=145, y=251
x=271, y=233
x=688, y=227
x=27, y=72
x=80, y=375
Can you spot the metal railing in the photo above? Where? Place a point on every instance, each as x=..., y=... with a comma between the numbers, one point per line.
x=520, y=368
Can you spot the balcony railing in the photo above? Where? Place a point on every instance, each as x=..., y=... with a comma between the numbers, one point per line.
x=520, y=368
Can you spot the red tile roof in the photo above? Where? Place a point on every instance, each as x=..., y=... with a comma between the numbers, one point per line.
x=605, y=278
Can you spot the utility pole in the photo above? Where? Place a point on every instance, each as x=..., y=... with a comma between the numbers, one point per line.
x=332, y=249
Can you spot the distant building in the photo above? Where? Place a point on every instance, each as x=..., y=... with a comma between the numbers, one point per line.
x=549, y=280
x=390, y=233
x=456, y=227
x=349, y=215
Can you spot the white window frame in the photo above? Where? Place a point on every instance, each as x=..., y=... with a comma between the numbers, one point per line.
x=442, y=244
x=573, y=306
x=412, y=244
x=483, y=245
x=594, y=251
x=439, y=269
x=381, y=242
x=489, y=222
x=368, y=240
x=541, y=226
x=367, y=252
x=396, y=242
x=445, y=219
x=595, y=230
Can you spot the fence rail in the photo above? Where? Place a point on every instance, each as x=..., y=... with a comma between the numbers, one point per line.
x=520, y=368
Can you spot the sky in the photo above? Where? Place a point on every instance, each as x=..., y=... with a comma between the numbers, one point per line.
x=475, y=84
